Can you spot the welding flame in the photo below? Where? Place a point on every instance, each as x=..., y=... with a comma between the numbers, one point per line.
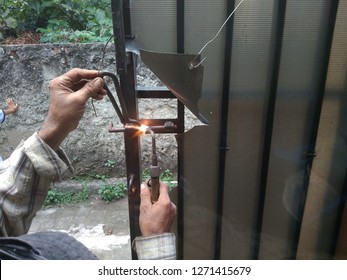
x=143, y=128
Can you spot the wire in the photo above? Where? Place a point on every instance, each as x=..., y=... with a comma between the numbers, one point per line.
x=209, y=42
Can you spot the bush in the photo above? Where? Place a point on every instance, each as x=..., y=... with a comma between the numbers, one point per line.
x=60, y=198
x=58, y=20
x=111, y=192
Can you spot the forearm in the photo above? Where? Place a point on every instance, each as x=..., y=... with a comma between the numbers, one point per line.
x=52, y=134
x=24, y=182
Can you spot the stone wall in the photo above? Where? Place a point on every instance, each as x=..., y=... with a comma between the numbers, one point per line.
x=25, y=72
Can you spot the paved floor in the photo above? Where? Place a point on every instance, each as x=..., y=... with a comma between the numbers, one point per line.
x=102, y=227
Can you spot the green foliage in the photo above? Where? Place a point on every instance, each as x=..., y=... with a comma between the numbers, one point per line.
x=58, y=20
x=145, y=175
x=110, y=163
x=59, y=198
x=98, y=176
x=111, y=192
x=166, y=176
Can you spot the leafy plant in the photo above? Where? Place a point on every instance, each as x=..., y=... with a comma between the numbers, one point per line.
x=110, y=163
x=98, y=176
x=166, y=176
x=56, y=197
x=111, y=192
x=58, y=20
x=145, y=175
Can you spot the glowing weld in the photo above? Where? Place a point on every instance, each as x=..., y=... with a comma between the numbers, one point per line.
x=143, y=128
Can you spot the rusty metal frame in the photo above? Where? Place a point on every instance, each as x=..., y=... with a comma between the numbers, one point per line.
x=126, y=69
x=126, y=62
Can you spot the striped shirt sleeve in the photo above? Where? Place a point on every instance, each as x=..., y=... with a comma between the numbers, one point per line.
x=25, y=178
x=156, y=247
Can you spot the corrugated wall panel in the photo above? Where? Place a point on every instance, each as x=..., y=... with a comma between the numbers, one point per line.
x=252, y=80
x=318, y=235
x=249, y=91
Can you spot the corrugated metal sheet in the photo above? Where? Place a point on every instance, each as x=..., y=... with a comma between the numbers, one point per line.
x=274, y=113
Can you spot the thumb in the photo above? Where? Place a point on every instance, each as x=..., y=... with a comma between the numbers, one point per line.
x=145, y=195
x=91, y=88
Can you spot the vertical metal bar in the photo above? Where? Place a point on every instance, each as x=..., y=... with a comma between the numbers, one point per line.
x=180, y=26
x=224, y=127
x=180, y=114
x=342, y=206
x=334, y=5
x=118, y=33
x=280, y=22
x=127, y=19
x=126, y=69
x=132, y=148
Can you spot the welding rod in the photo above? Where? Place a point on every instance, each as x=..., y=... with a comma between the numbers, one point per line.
x=166, y=127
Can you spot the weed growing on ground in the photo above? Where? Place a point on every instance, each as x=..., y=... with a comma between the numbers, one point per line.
x=166, y=176
x=112, y=191
x=60, y=198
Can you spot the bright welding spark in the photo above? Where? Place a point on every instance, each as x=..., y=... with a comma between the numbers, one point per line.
x=143, y=128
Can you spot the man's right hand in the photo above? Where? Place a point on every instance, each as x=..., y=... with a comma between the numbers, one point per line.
x=156, y=218
x=68, y=96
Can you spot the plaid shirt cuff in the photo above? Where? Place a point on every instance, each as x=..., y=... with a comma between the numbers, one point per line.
x=46, y=161
x=156, y=247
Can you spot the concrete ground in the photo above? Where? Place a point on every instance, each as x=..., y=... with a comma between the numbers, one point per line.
x=102, y=227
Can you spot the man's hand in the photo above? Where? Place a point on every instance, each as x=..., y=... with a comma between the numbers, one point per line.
x=12, y=107
x=156, y=218
x=68, y=96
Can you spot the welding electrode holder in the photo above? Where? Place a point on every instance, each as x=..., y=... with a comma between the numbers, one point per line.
x=154, y=182
x=154, y=170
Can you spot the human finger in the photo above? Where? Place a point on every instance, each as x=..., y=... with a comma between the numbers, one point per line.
x=80, y=84
x=163, y=192
x=91, y=88
x=76, y=74
x=145, y=196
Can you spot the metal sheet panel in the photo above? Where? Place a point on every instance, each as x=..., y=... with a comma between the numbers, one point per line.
x=249, y=92
x=299, y=84
x=328, y=177
x=297, y=98
x=154, y=24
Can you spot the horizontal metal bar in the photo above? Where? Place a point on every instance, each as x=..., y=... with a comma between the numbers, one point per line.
x=160, y=94
x=155, y=125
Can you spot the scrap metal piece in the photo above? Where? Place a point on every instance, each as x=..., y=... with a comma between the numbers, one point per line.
x=176, y=73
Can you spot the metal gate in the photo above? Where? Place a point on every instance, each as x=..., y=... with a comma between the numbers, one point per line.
x=266, y=178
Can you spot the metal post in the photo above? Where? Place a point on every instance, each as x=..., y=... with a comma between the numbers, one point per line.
x=180, y=128
x=224, y=128
x=281, y=11
x=118, y=34
x=126, y=70
x=132, y=148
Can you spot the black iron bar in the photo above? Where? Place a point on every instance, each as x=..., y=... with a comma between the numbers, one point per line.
x=339, y=221
x=155, y=93
x=118, y=33
x=157, y=126
x=132, y=149
x=180, y=23
x=127, y=19
x=278, y=40
x=224, y=128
